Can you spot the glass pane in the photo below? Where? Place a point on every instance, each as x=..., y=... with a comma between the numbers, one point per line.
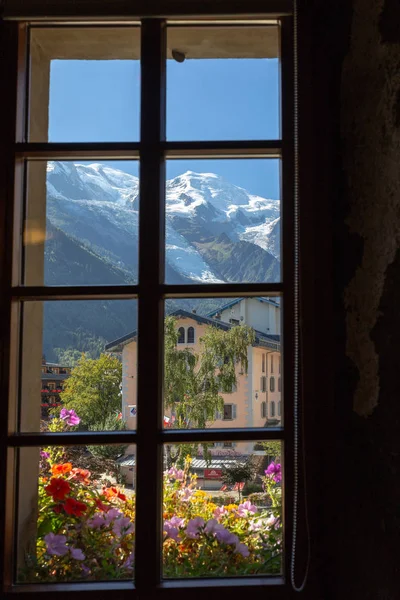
x=223, y=221
x=222, y=510
x=215, y=350
x=223, y=83
x=85, y=84
x=76, y=514
x=81, y=223
x=72, y=359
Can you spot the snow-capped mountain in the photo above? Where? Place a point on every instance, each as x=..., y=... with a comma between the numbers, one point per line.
x=216, y=231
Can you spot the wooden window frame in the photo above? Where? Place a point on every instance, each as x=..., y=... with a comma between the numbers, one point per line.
x=151, y=291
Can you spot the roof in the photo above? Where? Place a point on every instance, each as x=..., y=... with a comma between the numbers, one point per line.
x=268, y=341
x=127, y=461
x=54, y=376
x=60, y=365
x=217, y=462
x=237, y=300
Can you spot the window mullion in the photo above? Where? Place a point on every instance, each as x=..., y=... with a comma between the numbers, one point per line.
x=150, y=305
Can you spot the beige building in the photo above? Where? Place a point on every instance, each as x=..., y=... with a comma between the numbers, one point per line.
x=256, y=401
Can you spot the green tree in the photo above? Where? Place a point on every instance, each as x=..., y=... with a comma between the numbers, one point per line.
x=272, y=449
x=93, y=389
x=110, y=451
x=239, y=473
x=193, y=382
x=68, y=357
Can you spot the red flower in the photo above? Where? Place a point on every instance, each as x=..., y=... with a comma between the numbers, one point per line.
x=81, y=475
x=58, y=488
x=57, y=509
x=101, y=506
x=113, y=492
x=74, y=507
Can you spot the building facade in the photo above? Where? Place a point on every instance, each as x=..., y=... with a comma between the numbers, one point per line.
x=53, y=376
x=256, y=400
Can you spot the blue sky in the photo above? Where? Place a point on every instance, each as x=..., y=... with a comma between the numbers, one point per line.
x=94, y=101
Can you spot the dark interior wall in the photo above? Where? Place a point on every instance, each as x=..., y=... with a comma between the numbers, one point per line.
x=359, y=42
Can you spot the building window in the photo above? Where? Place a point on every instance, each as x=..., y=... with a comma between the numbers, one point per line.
x=263, y=363
x=272, y=363
x=279, y=384
x=263, y=383
x=272, y=384
x=190, y=335
x=279, y=408
x=147, y=282
x=272, y=409
x=264, y=410
x=229, y=412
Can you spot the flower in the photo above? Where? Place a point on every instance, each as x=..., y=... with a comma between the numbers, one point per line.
x=114, y=492
x=45, y=455
x=69, y=416
x=128, y=564
x=101, y=506
x=171, y=527
x=97, y=521
x=193, y=527
x=58, y=488
x=246, y=509
x=74, y=507
x=56, y=544
x=225, y=536
x=185, y=494
x=219, y=511
x=123, y=526
x=81, y=475
x=77, y=554
x=274, y=472
x=85, y=569
x=242, y=549
x=176, y=474
x=61, y=469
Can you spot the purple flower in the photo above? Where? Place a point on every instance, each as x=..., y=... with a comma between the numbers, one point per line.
x=274, y=472
x=219, y=511
x=193, y=527
x=242, y=549
x=85, y=569
x=69, y=416
x=225, y=536
x=44, y=454
x=171, y=527
x=112, y=514
x=246, y=509
x=77, y=554
x=123, y=526
x=176, y=474
x=56, y=544
x=97, y=521
x=128, y=564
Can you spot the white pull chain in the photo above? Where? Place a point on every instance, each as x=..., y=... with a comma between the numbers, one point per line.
x=297, y=340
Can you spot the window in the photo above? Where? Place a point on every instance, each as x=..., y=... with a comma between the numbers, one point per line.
x=263, y=383
x=272, y=363
x=229, y=412
x=272, y=384
x=272, y=408
x=181, y=335
x=190, y=335
x=264, y=410
x=279, y=408
x=279, y=384
x=140, y=266
x=263, y=363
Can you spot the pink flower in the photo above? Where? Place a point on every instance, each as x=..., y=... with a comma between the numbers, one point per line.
x=274, y=472
x=176, y=474
x=69, y=416
x=194, y=526
x=77, y=554
x=56, y=544
x=226, y=537
x=246, y=509
x=219, y=511
x=128, y=564
x=123, y=526
x=242, y=549
x=185, y=494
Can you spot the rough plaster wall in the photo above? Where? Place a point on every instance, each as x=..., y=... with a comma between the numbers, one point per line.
x=371, y=160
